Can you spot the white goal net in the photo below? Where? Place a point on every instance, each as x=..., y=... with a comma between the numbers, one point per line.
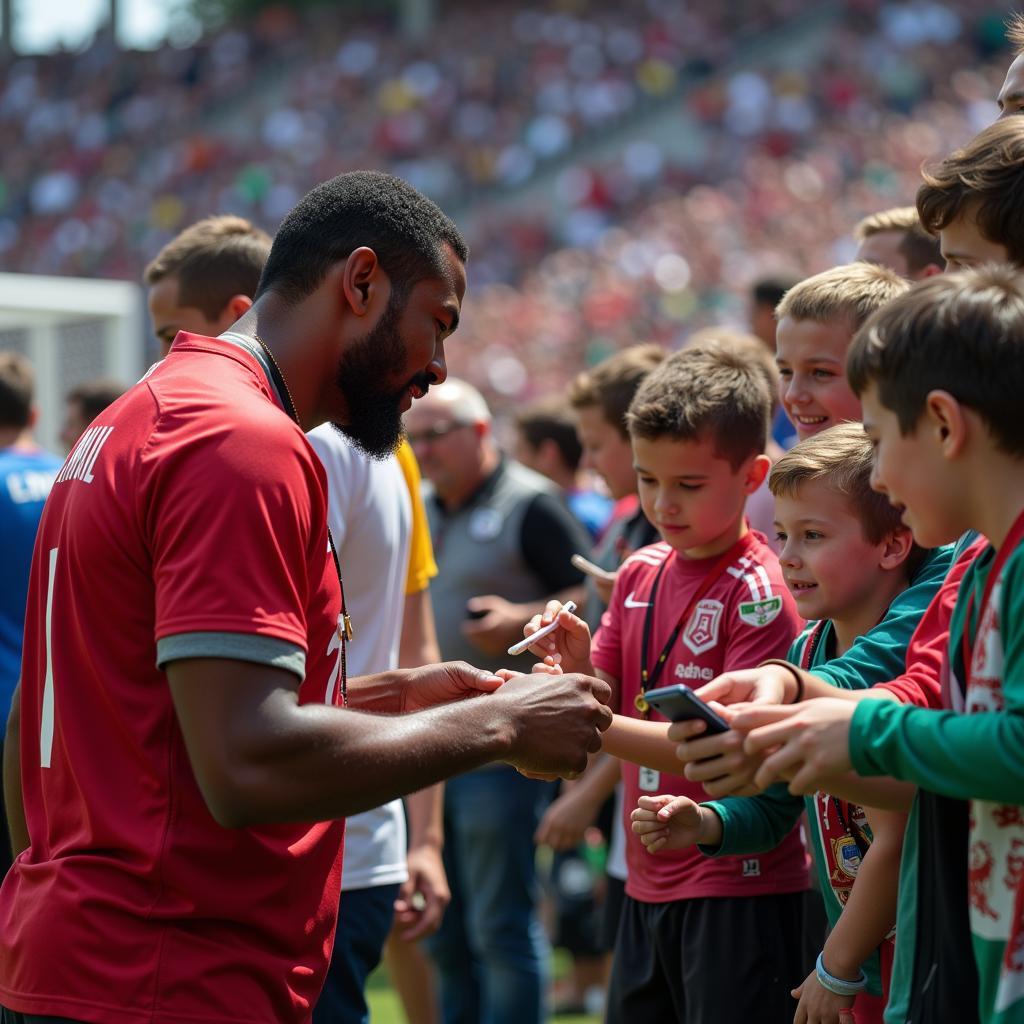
x=72, y=330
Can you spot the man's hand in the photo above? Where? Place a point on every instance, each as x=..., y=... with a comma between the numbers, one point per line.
x=440, y=684
x=718, y=762
x=819, y=1006
x=674, y=822
x=812, y=741
x=770, y=684
x=568, y=646
x=565, y=821
x=556, y=720
x=424, y=895
x=500, y=623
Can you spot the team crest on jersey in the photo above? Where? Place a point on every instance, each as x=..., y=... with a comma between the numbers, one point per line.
x=760, y=613
x=702, y=632
x=846, y=856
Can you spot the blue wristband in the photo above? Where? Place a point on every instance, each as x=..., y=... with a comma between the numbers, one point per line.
x=838, y=986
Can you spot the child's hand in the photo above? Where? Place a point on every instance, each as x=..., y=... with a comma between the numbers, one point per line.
x=668, y=822
x=819, y=1006
x=547, y=667
x=718, y=761
x=568, y=646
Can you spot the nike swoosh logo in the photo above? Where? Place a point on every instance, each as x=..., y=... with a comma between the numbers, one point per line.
x=630, y=603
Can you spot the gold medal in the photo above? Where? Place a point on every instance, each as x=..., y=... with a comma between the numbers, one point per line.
x=640, y=703
x=347, y=619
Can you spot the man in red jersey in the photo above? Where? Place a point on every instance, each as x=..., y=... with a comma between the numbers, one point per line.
x=185, y=749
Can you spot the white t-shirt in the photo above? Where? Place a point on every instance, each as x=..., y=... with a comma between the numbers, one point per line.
x=370, y=514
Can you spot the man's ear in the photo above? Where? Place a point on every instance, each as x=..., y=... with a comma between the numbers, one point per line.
x=945, y=418
x=757, y=469
x=895, y=548
x=363, y=282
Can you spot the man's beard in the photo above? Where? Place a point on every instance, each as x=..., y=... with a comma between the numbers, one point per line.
x=375, y=420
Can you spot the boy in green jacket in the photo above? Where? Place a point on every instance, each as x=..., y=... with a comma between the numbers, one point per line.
x=846, y=556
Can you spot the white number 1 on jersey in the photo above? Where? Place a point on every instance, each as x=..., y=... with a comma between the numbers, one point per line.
x=46, y=726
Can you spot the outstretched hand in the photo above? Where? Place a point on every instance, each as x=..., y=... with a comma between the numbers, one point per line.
x=809, y=743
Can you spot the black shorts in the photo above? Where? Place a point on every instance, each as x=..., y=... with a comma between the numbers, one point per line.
x=611, y=912
x=708, y=961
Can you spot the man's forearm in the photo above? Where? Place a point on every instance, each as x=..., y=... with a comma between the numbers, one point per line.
x=13, y=800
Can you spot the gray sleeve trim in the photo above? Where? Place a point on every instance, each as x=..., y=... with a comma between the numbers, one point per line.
x=265, y=650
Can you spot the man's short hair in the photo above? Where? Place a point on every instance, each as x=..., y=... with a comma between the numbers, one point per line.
x=962, y=333
x=93, y=396
x=920, y=248
x=611, y=385
x=212, y=261
x=851, y=293
x=768, y=291
x=402, y=226
x=709, y=391
x=841, y=458
x=17, y=389
x=986, y=175
x=549, y=419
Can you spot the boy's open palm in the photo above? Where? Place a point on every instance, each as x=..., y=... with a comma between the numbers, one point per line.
x=667, y=822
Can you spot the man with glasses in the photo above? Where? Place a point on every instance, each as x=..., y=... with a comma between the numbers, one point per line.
x=503, y=539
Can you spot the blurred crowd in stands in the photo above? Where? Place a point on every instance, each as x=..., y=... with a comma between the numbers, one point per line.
x=106, y=160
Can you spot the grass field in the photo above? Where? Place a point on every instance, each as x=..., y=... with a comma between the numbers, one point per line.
x=385, y=1007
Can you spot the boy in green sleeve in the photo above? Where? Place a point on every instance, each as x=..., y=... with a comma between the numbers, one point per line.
x=940, y=372
x=845, y=558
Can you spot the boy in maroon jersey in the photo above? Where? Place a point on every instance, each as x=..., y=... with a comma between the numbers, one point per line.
x=695, y=945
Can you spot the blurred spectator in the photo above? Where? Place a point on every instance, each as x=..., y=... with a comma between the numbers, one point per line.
x=192, y=273
x=546, y=442
x=26, y=476
x=896, y=239
x=83, y=403
x=765, y=294
x=503, y=540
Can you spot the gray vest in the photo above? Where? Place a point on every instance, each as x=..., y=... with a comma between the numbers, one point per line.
x=478, y=549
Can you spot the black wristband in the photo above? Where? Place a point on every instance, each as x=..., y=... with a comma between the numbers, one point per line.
x=793, y=671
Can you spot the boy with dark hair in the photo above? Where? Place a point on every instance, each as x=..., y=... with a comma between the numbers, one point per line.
x=204, y=279
x=709, y=597
x=547, y=443
x=940, y=372
x=845, y=557
x=972, y=199
x=83, y=403
x=600, y=398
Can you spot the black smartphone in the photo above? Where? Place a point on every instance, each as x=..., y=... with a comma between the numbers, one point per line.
x=678, y=703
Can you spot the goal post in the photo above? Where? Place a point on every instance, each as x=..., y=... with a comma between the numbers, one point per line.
x=72, y=330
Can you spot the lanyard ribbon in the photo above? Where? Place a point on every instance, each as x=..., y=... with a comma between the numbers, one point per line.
x=276, y=380
x=649, y=679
